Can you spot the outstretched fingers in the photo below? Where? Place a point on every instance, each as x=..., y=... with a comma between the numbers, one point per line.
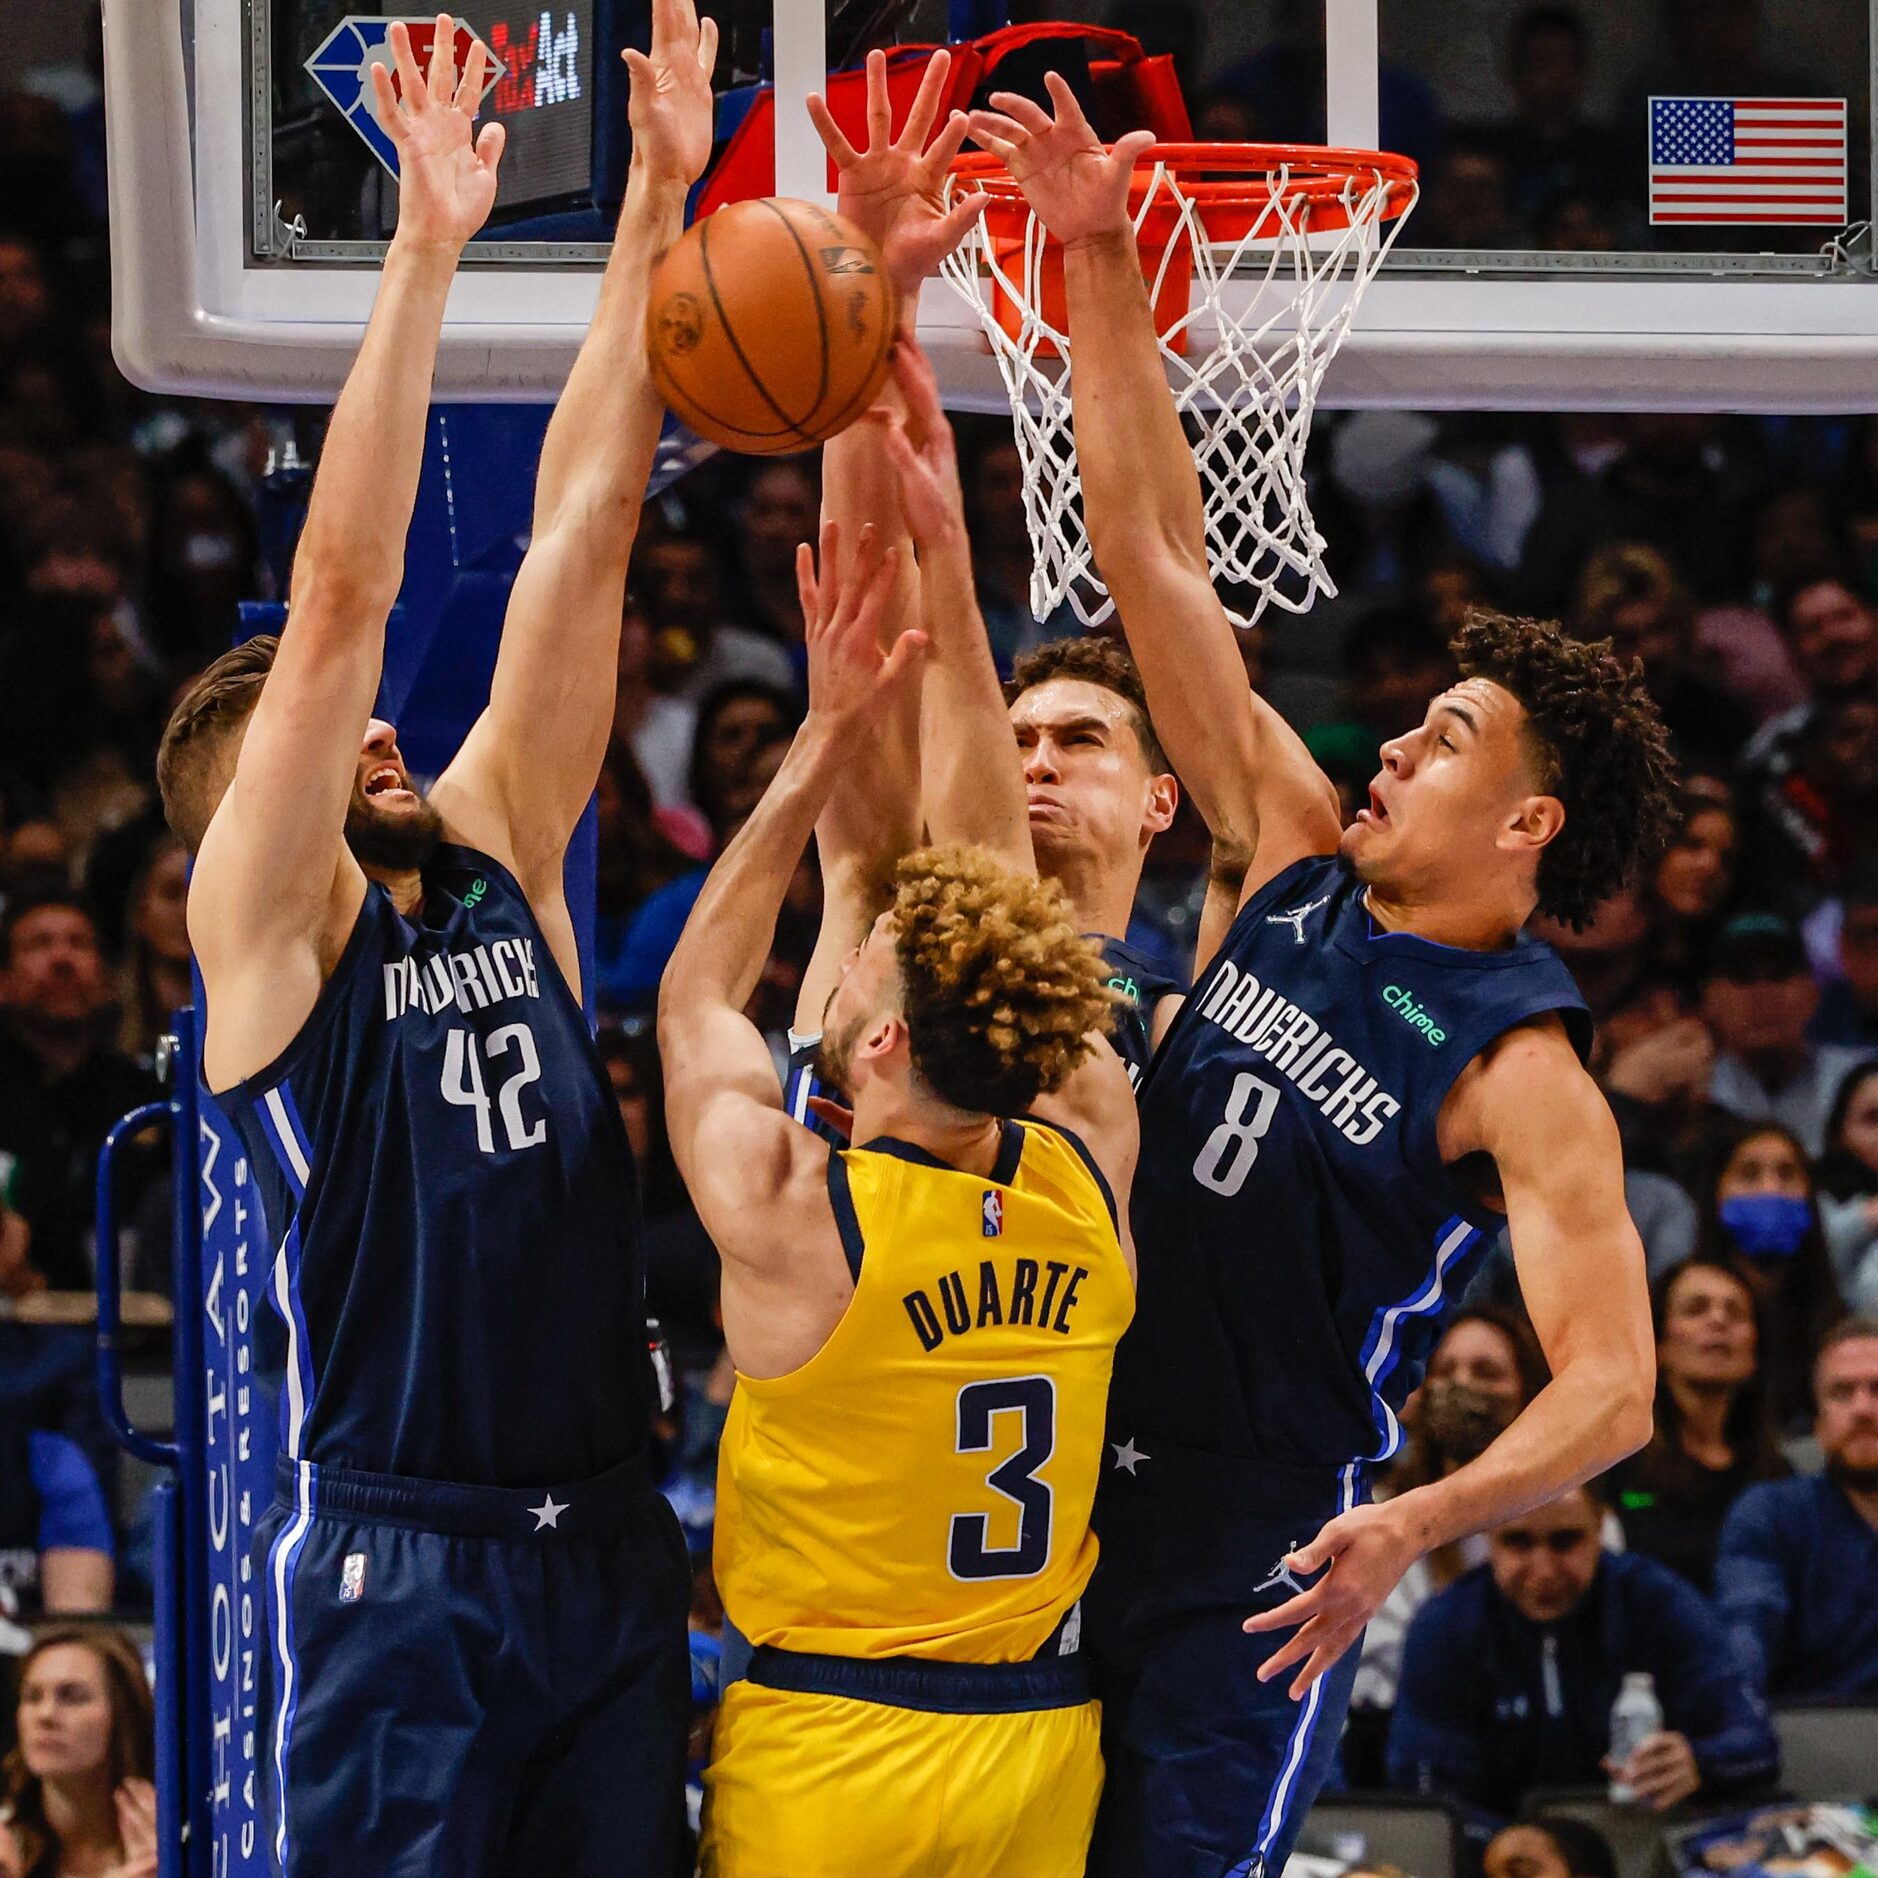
x=879, y=104
x=469, y=94
x=443, y=61
x=707, y=46
x=1027, y=112
x=834, y=139
x=919, y=120
x=410, y=79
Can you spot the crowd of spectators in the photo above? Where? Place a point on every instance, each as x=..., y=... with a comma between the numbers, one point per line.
x=1735, y=987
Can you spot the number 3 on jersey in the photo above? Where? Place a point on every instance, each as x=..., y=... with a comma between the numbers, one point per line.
x=463, y=1085
x=980, y=1404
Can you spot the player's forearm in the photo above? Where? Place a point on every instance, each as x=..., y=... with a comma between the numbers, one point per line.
x=1140, y=486
x=597, y=455
x=1585, y=1420
x=352, y=547
x=972, y=781
x=720, y=955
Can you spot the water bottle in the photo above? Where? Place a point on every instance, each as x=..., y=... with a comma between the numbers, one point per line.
x=1635, y=1715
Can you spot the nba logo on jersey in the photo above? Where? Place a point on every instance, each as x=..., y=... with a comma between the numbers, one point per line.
x=352, y=1578
x=993, y=1209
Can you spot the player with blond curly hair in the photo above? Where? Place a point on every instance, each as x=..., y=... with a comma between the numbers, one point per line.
x=922, y=1323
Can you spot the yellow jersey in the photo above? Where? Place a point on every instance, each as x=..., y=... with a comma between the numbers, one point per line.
x=921, y=1486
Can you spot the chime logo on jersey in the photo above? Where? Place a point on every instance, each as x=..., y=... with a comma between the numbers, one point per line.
x=992, y=1207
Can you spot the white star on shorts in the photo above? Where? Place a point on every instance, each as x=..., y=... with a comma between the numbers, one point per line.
x=1127, y=1454
x=548, y=1513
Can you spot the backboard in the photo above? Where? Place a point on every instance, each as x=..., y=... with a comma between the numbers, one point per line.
x=1626, y=203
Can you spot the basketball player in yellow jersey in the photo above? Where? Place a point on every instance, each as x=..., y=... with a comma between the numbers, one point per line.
x=922, y=1327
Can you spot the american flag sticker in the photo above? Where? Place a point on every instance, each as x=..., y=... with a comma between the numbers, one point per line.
x=993, y=1210
x=1747, y=160
x=352, y=1578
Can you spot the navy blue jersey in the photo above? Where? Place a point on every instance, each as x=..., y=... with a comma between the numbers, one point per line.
x=1144, y=982
x=1298, y=1234
x=441, y=1165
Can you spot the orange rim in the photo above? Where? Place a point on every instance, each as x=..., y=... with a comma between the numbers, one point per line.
x=1231, y=185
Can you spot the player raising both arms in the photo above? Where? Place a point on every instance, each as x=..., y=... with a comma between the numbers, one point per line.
x=1097, y=785
x=474, y=1597
x=922, y=1326
x=1376, y=1067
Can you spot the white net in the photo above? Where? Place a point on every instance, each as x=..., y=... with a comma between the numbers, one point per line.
x=1266, y=316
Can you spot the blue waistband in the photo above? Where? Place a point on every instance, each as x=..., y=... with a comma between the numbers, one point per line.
x=917, y=1683
x=597, y=1507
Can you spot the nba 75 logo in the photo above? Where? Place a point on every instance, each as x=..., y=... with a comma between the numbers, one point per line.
x=992, y=1208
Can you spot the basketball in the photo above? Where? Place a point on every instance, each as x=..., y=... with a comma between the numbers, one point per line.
x=769, y=325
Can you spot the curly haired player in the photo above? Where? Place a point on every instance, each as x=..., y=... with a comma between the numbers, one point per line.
x=1376, y=1069
x=922, y=1324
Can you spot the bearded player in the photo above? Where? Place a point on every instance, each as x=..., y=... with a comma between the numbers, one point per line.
x=475, y=1598
x=1378, y=1069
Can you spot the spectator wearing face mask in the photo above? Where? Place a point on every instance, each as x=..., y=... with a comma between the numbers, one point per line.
x=1848, y=1186
x=1797, y=1573
x=1758, y=1001
x=1485, y=1369
x=1712, y=1438
x=1508, y=1676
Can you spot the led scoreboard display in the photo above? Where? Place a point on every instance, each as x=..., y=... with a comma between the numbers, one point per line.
x=543, y=97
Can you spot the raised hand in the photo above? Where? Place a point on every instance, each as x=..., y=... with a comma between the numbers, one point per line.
x=891, y=191
x=671, y=109
x=931, y=498
x=849, y=673
x=446, y=180
x=1078, y=189
x=136, y=1830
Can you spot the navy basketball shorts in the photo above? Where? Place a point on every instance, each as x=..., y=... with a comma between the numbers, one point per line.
x=474, y=1682
x=1210, y=1771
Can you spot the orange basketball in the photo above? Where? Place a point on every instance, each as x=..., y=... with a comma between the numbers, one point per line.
x=769, y=325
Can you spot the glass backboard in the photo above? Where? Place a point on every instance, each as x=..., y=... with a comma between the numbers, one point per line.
x=1625, y=203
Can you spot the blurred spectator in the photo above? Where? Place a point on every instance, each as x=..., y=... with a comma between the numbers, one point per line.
x=1467, y=198
x=206, y=559
x=56, y=1547
x=1629, y=594
x=1283, y=86
x=1807, y=776
x=737, y=724
x=1692, y=882
x=679, y=574
x=1609, y=958
x=1759, y=1210
x=638, y=851
x=1848, y=1001
x=1550, y=149
x=155, y=979
x=658, y=728
x=1797, y=1573
x=61, y=1086
x=1555, y=1847
x=1000, y=537
x=781, y=510
x=1675, y=484
x=1758, y=998
x=78, y=1797
x=1712, y=1437
x=1394, y=661
x=1485, y=1369
x=1848, y=1186
x=1508, y=1676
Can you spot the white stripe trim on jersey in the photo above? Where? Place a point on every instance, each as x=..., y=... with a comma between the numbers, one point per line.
x=1306, y=1723
x=286, y=1554
x=290, y=1142
x=296, y=1390
x=1424, y=1300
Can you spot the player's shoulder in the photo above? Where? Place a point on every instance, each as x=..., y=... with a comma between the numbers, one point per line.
x=1529, y=1076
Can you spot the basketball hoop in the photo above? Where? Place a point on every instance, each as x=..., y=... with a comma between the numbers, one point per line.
x=1255, y=256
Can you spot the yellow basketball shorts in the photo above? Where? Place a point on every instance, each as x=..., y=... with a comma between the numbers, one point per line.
x=827, y=1786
